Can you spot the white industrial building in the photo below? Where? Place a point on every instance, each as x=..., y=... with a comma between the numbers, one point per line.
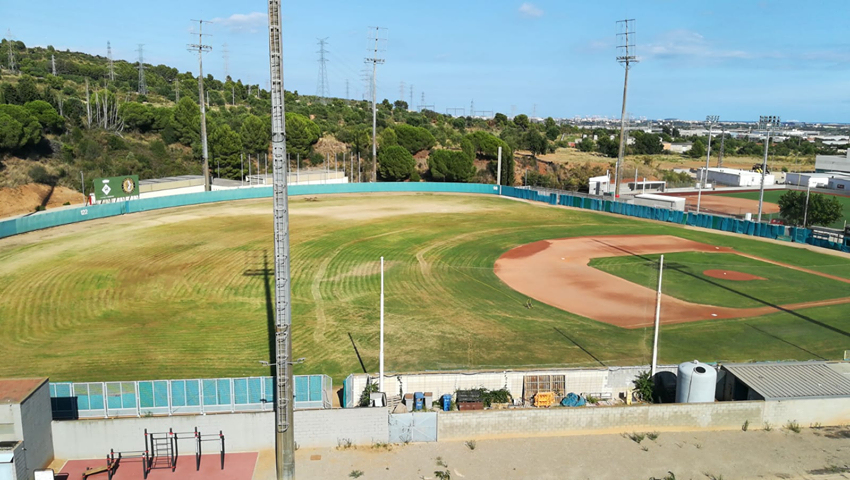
x=736, y=178
x=833, y=163
x=813, y=180
x=599, y=185
x=839, y=182
x=660, y=201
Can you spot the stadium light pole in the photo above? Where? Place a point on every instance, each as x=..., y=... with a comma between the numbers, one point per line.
x=710, y=120
x=381, y=359
x=806, y=210
x=657, y=319
x=769, y=123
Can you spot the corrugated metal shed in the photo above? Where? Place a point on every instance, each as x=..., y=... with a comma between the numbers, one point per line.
x=781, y=381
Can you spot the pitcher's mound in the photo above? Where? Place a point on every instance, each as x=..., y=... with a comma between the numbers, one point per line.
x=731, y=275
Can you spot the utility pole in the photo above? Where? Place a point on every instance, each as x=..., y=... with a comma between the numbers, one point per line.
x=225, y=53
x=768, y=123
x=284, y=433
x=111, y=64
x=323, y=89
x=375, y=59
x=12, y=65
x=143, y=89
x=626, y=57
x=710, y=120
x=201, y=49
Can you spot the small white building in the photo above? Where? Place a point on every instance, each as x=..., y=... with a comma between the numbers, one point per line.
x=813, y=180
x=599, y=185
x=833, y=163
x=678, y=147
x=839, y=182
x=660, y=201
x=735, y=177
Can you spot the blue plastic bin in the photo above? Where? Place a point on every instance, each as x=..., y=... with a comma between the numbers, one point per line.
x=418, y=401
x=447, y=402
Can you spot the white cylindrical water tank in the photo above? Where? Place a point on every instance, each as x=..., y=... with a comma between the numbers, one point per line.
x=696, y=383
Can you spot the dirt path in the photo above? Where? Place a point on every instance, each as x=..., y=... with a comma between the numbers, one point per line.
x=556, y=272
x=731, y=455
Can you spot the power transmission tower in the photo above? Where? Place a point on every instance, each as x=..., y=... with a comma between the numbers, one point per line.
x=472, y=108
x=346, y=90
x=53, y=63
x=201, y=49
x=226, y=54
x=401, y=91
x=626, y=57
x=513, y=111
x=143, y=89
x=284, y=434
x=12, y=65
x=534, y=111
x=109, y=57
x=323, y=88
x=379, y=46
x=410, y=105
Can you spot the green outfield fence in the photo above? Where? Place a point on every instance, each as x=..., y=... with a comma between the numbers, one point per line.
x=48, y=219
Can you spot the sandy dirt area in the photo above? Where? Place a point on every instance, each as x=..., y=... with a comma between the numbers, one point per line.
x=812, y=454
x=24, y=199
x=731, y=275
x=729, y=205
x=556, y=272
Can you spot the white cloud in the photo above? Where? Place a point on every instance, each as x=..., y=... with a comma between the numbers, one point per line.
x=530, y=10
x=687, y=43
x=244, y=22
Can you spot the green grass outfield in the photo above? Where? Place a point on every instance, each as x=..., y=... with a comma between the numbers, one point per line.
x=684, y=279
x=183, y=293
x=772, y=196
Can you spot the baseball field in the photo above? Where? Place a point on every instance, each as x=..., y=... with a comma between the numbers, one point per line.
x=186, y=292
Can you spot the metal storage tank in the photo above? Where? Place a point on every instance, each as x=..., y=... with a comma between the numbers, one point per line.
x=696, y=383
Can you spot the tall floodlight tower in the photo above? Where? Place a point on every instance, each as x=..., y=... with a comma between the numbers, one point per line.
x=323, y=87
x=710, y=120
x=626, y=51
x=201, y=49
x=377, y=45
x=143, y=89
x=284, y=433
x=769, y=123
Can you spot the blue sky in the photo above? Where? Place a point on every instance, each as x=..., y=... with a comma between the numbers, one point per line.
x=735, y=58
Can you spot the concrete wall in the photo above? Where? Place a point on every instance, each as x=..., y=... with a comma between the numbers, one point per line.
x=243, y=432
x=565, y=421
x=35, y=422
x=808, y=412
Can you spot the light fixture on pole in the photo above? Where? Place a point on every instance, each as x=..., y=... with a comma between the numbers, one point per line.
x=769, y=123
x=710, y=120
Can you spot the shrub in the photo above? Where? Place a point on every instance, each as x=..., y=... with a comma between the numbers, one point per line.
x=451, y=166
x=645, y=386
x=39, y=174
x=395, y=164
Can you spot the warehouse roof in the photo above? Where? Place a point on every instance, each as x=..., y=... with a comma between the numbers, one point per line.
x=780, y=381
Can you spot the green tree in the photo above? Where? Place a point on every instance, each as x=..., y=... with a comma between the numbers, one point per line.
x=535, y=142
x=553, y=132
x=697, y=149
x=586, y=144
x=46, y=115
x=414, y=139
x=647, y=144
x=608, y=146
x=395, y=163
x=22, y=131
x=450, y=166
x=301, y=134
x=27, y=91
x=823, y=209
x=187, y=122
x=400, y=105
x=500, y=119
x=226, y=145
x=137, y=116
x=387, y=138
x=256, y=137
x=522, y=121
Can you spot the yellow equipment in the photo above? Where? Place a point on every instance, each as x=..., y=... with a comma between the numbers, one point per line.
x=544, y=399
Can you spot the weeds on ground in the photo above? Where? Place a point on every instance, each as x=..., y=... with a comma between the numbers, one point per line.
x=816, y=425
x=830, y=470
x=635, y=437
x=698, y=445
x=670, y=476
x=793, y=426
x=442, y=474
x=592, y=399
x=746, y=425
x=652, y=435
x=470, y=444
x=343, y=443
x=356, y=474
x=644, y=448
x=713, y=477
x=382, y=445
x=767, y=426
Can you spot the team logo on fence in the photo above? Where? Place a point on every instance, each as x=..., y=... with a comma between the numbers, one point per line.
x=128, y=185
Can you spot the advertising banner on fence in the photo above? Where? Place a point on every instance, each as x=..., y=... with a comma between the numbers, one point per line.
x=116, y=187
